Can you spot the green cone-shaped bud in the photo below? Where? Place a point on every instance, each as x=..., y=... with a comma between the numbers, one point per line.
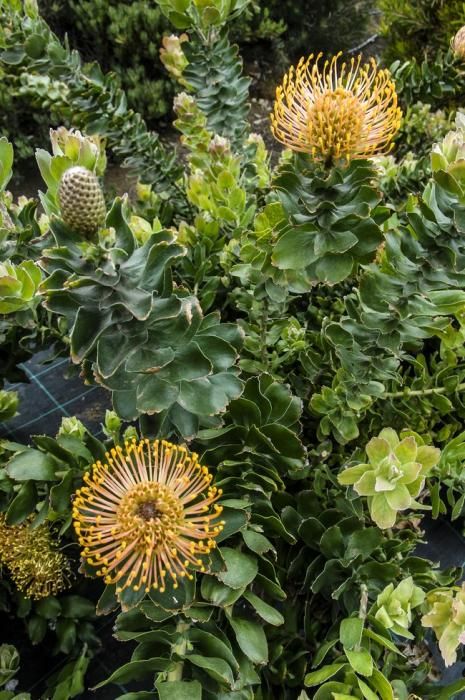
x=81, y=200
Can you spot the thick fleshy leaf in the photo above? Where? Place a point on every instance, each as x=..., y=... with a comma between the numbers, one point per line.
x=32, y=464
x=406, y=450
x=251, y=639
x=241, y=568
x=400, y=498
x=381, y=512
x=377, y=450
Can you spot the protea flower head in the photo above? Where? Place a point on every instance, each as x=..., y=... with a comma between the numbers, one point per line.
x=33, y=559
x=338, y=111
x=458, y=43
x=143, y=516
x=81, y=200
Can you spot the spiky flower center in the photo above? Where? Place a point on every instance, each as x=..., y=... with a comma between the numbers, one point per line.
x=151, y=510
x=335, y=122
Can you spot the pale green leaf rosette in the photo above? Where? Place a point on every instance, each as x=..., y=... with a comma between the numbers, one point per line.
x=446, y=616
x=394, y=605
x=394, y=475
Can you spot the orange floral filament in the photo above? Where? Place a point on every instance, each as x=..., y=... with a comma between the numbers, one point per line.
x=339, y=112
x=143, y=518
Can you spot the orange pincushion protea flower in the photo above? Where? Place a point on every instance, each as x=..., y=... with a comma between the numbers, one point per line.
x=142, y=516
x=340, y=112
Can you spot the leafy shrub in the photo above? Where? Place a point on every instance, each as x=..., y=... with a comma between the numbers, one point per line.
x=418, y=28
x=297, y=336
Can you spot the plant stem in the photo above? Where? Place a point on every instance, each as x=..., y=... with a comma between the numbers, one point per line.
x=362, y=613
x=179, y=649
x=422, y=392
x=263, y=329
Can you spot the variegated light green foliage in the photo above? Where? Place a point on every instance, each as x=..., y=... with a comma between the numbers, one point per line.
x=408, y=296
x=6, y=162
x=173, y=57
x=8, y=404
x=334, y=220
x=70, y=148
x=204, y=14
x=214, y=184
x=9, y=663
x=446, y=616
x=357, y=672
x=394, y=606
x=18, y=286
x=394, y=476
x=134, y=333
x=221, y=185
x=210, y=66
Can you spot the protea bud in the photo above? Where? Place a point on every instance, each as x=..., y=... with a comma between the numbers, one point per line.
x=458, y=43
x=81, y=200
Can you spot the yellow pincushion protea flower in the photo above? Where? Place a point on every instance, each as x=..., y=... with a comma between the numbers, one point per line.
x=143, y=516
x=337, y=112
x=33, y=560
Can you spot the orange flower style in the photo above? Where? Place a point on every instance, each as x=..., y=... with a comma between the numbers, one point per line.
x=146, y=516
x=338, y=112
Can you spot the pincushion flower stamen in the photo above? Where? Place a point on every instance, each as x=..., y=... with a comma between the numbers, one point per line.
x=338, y=112
x=147, y=516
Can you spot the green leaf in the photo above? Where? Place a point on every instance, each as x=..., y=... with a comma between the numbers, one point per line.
x=266, y=612
x=367, y=692
x=334, y=268
x=211, y=645
x=216, y=668
x=257, y=542
x=322, y=652
x=235, y=520
x=76, y=606
x=36, y=628
x=360, y=661
x=178, y=690
x=382, y=685
x=23, y=504
x=323, y=674
x=155, y=394
x=294, y=250
x=60, y=494
x=369, y=634
x=219, y=594
x=6, y=161
x=241, y=569
x=251, y=639
x=134, y=671
x=48, y=607
x=350, y=632
x=141, y=695
x=31, y=464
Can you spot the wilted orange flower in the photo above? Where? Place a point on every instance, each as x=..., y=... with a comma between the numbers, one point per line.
x=340, y=112
x=142, y=515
